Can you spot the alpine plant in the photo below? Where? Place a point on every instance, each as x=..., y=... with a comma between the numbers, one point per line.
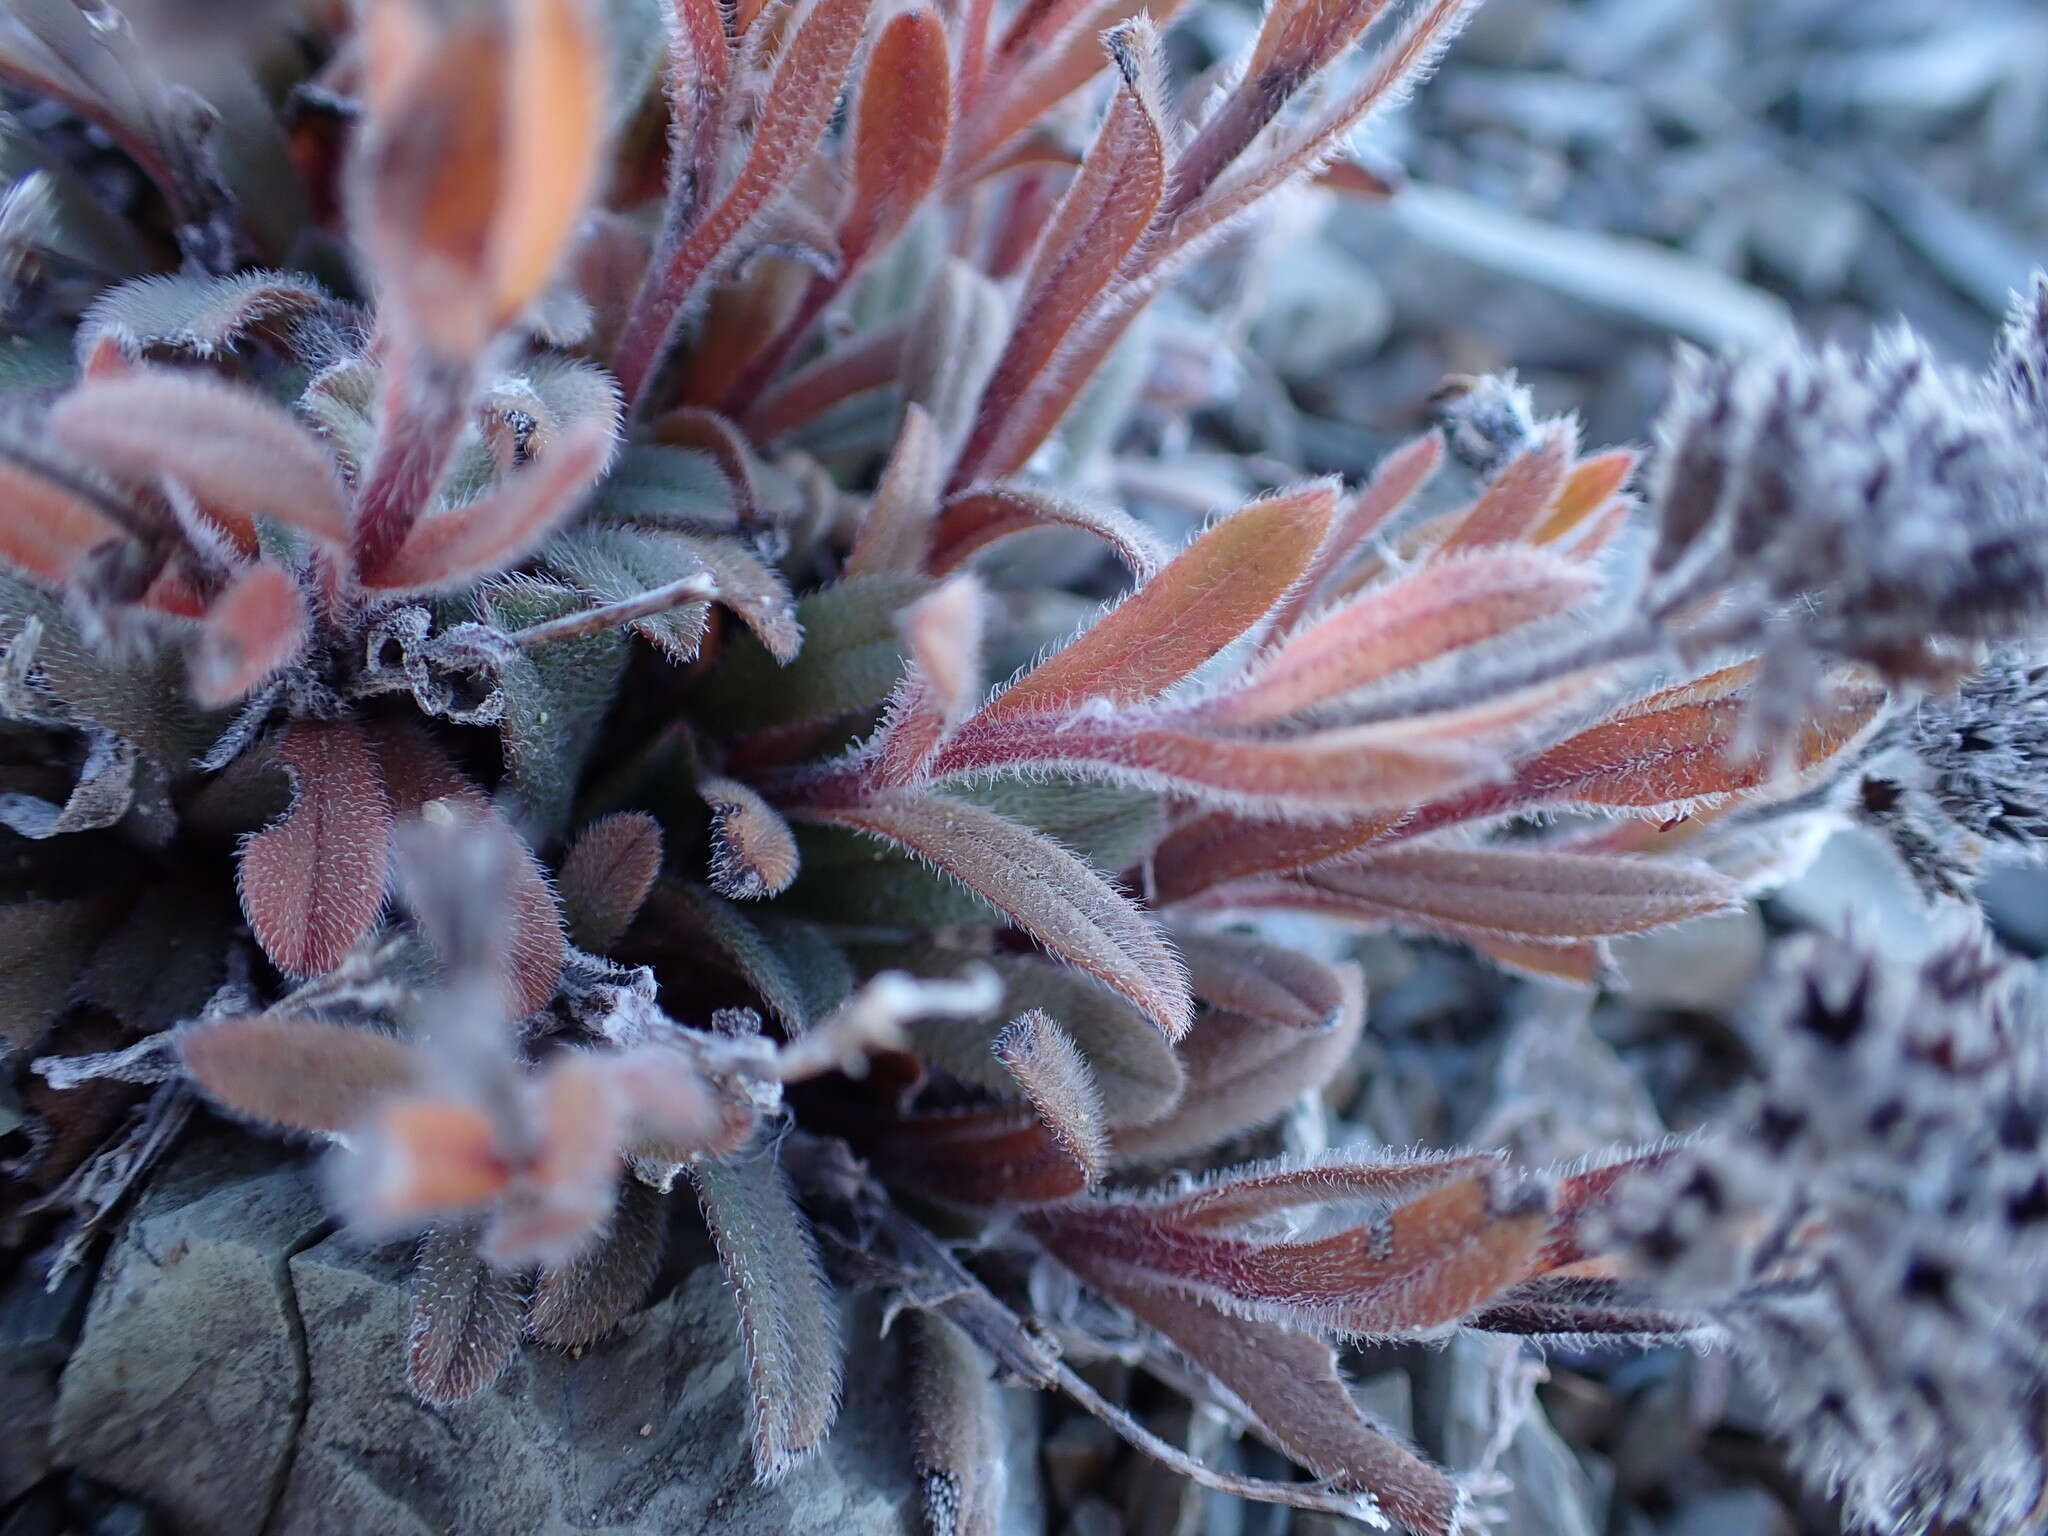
x=514, y=667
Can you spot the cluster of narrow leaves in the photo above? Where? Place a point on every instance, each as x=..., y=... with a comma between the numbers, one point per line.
x=539, y=708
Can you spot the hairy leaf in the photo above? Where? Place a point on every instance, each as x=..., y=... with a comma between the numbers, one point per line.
x=578, y=1303
x=787, y=1325
x=313, y=882
x=462, y=543
x=1514, y=504
x=974, y=519
x=1249, y=976
x=1044, y=889
x=465, y=1319
x=1522, y=893
x=753, y=852
x=943, y=631
x=1211, y=593
x=1244, y=1072
x=301, y=1074
x=1055, y=1078
x=897, y=529
x=607, y=875
x=255, y=627
x=1440, y=609
x=1290, y=1382
x=55, y=518
x=230, y=447
x=851, y=658
x=902, y=124
x=1108, y=206
x=417, y=772
x=957, y=1429
x=1240, y=1196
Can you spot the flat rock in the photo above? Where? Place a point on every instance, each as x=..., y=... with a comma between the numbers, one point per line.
x=646, y=1432
x=243, y=1374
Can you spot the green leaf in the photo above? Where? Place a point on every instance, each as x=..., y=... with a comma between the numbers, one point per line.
x=555, y=698
x=615, y=565
x=736, y=942
x=664, y=486
x=850, y=660
x=850, y=879
x=787, y=1325
x=1109, y=826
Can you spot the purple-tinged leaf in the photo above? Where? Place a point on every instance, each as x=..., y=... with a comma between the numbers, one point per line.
x=607, y=875
x=1242, y=1073
x=787, y=1325
x=983, y=515
x=578, y=1303
x=1055, y=1078
x=302, y=1074
x=1045, y=890
x=312, y=883
x=902, y=126
x=1519, y=893
x=1263, y=981
x=465, y=1319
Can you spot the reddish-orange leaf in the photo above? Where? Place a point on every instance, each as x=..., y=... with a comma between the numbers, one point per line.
x=1325, y=773
x=1511, y=507
x=607, y=874
x=999, y=1155
x=1239, y=1197
x=1659, y=755
x=1290, y=1382
x=312, y=882
x=753, y=852
x=1586, y=962
x=463, y=543
x=1435, y=1260
x=796, y=108
x=1586, y=490
x=1435, y=610
x=229, y=447
x=423, y=1157
x=1300, y=36
x=255, y=626
x=902, y=126
x=866, y=363
x=1208, y=596
x=1395, y=478
x=1108, y=206
x=1519, y=893
x=554, y=128
x=1061, y=54
x=974, y=519
x=302, y=1074
x=52, y=522
x=1045, y=890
